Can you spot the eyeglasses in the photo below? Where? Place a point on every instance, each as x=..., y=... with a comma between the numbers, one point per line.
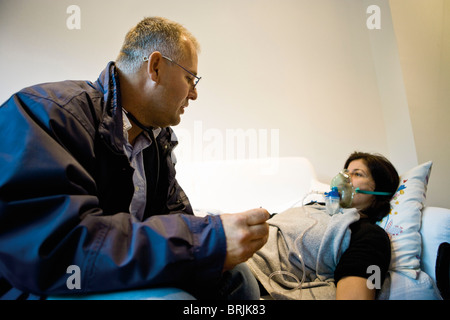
x=197, y=79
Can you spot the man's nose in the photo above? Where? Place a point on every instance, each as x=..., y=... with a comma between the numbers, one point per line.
x=193, y=94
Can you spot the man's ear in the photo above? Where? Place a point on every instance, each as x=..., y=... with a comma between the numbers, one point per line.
x=154, y=65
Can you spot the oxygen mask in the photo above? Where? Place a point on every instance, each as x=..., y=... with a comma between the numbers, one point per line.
x=343, y=184
x=347, y=191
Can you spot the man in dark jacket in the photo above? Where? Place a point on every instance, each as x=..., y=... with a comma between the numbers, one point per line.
x=87, y=182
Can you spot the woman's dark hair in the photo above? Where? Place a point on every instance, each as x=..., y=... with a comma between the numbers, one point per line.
x=386, y=180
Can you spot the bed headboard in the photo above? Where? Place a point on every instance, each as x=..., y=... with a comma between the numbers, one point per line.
x=238, y=185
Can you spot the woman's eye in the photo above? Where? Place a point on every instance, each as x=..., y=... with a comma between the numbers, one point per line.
x=357, y=174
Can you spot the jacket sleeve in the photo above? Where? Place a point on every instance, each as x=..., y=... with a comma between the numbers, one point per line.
x=50, y=218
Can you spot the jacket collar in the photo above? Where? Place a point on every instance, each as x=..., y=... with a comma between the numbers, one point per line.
x=111, y=122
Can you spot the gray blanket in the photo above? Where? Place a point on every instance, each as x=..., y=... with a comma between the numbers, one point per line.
x=320, y=239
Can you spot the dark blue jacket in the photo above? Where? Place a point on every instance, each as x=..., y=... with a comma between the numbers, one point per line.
x=65, y=191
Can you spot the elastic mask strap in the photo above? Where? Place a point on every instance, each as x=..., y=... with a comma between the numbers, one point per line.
x=377, y=193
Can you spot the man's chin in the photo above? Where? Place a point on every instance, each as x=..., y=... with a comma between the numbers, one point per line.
x=175, y=122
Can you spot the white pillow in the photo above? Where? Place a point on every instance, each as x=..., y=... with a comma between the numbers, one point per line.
x=403, y=222
x=435, y=230
x=397, y=286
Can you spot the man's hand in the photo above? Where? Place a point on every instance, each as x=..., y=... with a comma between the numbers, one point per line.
x=246, y=233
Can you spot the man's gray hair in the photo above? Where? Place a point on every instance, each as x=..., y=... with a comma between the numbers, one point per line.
x=149, y=35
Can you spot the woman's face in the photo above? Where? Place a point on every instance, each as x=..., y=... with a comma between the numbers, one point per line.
x=361, y=178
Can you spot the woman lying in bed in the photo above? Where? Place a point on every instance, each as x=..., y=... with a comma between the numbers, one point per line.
x=311, y=255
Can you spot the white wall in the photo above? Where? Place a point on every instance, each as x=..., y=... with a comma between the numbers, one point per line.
x=423, y=36
x=299, y=77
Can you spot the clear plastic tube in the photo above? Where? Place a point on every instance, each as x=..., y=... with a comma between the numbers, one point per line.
x=298, y=252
